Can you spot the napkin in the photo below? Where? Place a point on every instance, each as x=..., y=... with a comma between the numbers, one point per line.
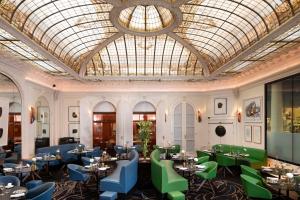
x=9, y=186
x=8, y=169
x=17, y=195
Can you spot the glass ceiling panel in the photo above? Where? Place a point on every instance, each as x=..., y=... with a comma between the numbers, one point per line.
x=10, y=44
x=285, y=41
x=145, y=18
x=67, y=28
x=146, y=56
x=222, y=29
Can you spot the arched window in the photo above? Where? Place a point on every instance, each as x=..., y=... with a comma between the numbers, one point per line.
x=184, y=126
x=104, y=125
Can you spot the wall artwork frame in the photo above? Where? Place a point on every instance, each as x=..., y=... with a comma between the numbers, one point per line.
x=252, y=109
x=256, y=136
x=45, y=130
x=73, y=113
x=220, y=106
x=248, y=133
x=74, y=130
x=43, y=114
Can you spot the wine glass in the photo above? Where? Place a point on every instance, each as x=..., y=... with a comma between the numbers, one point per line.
x=2, y=189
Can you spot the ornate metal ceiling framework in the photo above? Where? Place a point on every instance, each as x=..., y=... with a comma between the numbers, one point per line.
x=148, y=39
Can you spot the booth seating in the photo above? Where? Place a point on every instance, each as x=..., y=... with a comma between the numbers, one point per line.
x=124, y=177
x=164, y=178
x=256, y=158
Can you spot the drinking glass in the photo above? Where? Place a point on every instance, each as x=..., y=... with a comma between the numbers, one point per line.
x=2, y=189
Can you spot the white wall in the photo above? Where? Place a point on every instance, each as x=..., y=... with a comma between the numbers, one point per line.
x=124, y=104
x=247, y=93
x=29, y=94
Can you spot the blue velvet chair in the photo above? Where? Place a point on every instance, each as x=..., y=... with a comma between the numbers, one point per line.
x=33, y=183
x=97, y=152
x=123, y=179
x=75, y=174
x=9, y=179
x=119, y=149
x=41, y=192
x=137, y=147
x=85, y=160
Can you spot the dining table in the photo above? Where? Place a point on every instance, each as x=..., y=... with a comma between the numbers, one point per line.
x=14, y=193
x=23, y=172
x=276, y=179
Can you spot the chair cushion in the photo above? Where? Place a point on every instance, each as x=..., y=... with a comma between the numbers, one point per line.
x=176, y=195
x=108, y=195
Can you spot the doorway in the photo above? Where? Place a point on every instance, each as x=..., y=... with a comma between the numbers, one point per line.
x=104, y=130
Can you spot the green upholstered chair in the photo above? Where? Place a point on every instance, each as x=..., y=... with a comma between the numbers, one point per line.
x=203, y=153
x=202, y=159
x=164, y=178
x=249, y=171
x=161, y=149
x=175, y=149
x=225, y=162
x=208, y=174
x=254, y=188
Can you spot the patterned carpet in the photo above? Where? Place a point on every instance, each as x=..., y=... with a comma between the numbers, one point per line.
x=226, y=190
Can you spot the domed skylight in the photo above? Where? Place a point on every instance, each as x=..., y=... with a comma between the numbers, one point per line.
x=145, y=18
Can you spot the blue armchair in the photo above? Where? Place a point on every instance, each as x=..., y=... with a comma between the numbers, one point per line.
x=123, y=179
x=119, y=149
x=97, y=152
x=9, y=179
x=75, y=174
x=41, y=192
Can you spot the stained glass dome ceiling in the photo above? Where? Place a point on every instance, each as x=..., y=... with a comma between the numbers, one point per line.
x=146, y=18
x=165, y=39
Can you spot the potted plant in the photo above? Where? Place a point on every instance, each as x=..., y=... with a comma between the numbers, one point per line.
x=144, y=135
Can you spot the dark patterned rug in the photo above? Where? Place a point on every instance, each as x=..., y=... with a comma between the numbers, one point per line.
x=226, y=190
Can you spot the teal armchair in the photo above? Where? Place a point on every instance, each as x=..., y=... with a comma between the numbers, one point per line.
x=254, y=188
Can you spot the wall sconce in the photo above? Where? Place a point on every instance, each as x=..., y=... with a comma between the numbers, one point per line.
x=199, y=118
x=166, y=114
x=239, y=116
x=32, y=114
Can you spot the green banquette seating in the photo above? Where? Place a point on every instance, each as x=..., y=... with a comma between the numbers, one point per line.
x=164, y=178
x=256, y=158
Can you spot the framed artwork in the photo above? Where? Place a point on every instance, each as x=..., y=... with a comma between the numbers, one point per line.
x=252, y=109
x=256, y=136
x=43, y=114
x=74, y=130
x=220, y=106
x=248, y=133
x=45, y=130
x=73, y=114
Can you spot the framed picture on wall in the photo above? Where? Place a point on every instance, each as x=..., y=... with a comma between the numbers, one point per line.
x=43, y=114
x=74, y=130
x=73, y=113
x=45, y=130
x=220, y=106
x=252, y=109
x=248, y=133
x=256, y=136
